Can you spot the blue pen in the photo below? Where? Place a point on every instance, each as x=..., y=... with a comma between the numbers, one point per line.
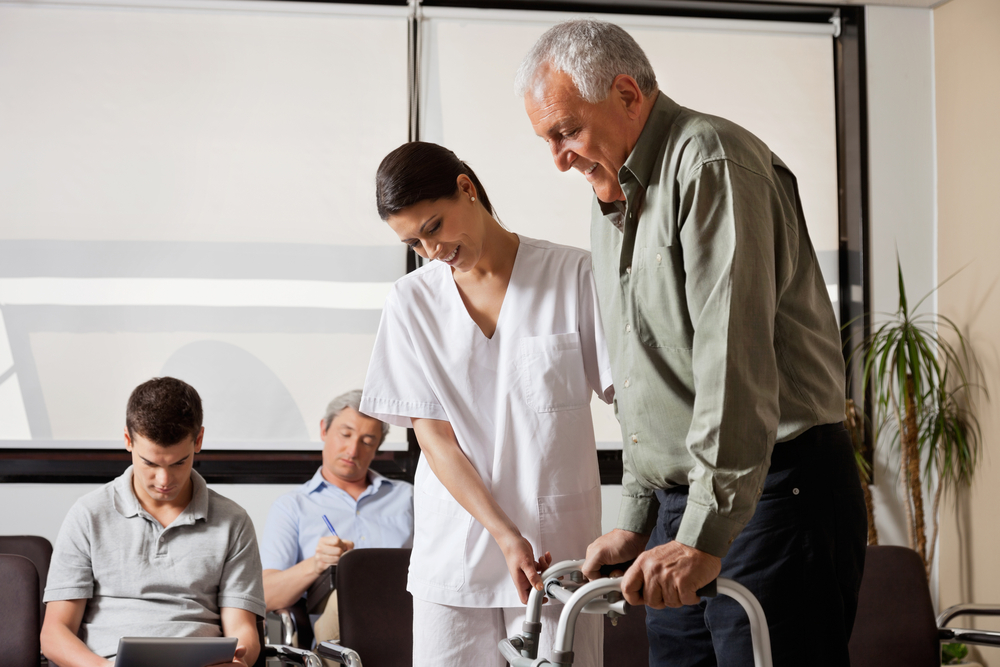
x=329, y=525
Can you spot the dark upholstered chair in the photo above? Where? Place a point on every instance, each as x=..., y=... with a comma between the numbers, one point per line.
x=376, y=611
x=20, y=618
x=895, y=625
x=895, y=622
x=36, y=549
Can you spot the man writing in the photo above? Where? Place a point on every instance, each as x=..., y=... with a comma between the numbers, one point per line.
x=363, y=507
x=729, y=379
x=154, y=553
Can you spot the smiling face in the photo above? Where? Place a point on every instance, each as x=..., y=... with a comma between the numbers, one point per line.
x=450, y=230
x=349, y=445
x=594, y=139
x=161, y=474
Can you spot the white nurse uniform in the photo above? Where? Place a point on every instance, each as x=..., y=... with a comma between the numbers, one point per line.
x=519, y=404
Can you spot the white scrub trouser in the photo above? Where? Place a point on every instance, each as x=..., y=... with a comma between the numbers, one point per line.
x=445, y=636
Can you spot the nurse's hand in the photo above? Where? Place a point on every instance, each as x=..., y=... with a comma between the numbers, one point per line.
x=617, y=546
x=669, y=576
x=522, y=565
x=328, y=552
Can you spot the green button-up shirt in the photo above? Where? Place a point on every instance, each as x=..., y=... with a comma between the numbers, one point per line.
x=722, y=336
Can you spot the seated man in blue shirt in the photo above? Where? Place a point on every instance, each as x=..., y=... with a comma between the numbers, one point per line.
x=153, y=553
x=365, y=509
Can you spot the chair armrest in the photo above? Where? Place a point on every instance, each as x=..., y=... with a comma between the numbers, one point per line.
x=966, y=610
x=338, y=653
x=294, y=655
x=289, y=628
x=968, y=636
x=965, y=635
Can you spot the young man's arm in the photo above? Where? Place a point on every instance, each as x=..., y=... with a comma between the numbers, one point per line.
x=60, y=643
x=241, y=624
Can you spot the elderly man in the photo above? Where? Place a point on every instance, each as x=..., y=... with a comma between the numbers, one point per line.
x=726, y=358
x=364, y=509
x=155, y=552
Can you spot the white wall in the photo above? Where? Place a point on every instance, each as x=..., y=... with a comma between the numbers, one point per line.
x=900, y=67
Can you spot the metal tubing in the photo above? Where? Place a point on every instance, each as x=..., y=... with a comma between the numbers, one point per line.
x=966, y=609
x=758, y=622
x=571, y=612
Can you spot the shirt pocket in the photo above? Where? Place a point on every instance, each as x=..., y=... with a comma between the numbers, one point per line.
x=660, y=300
x=567, y=524
x=439, y=541
x=552, y=374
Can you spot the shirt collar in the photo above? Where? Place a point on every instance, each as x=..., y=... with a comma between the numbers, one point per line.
x=375, y=482
x=127, y=504
x=639, y=165
x=646, y=153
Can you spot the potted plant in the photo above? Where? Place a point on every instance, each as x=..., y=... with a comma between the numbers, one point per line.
x=919, y=373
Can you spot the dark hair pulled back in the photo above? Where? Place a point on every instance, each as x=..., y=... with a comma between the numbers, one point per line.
x=420, y=171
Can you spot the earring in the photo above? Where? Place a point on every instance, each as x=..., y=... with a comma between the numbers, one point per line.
x=472, y=199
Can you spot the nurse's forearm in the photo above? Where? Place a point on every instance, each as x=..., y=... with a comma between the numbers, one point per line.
x=454, y=469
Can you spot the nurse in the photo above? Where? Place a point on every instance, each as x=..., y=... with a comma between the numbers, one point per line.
x=490, y=353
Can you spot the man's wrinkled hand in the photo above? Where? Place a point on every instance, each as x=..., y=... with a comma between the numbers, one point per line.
x=669, y=576
x=617, y=546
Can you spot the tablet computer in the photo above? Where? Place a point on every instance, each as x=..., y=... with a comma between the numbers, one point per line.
x=174, y=651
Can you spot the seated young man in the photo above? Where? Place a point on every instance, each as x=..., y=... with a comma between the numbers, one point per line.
x=153, y=553
x=365, y=509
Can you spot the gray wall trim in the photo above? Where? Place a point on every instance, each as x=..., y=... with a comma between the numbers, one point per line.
x=22, y=320
x=829, y=264
x=173, y=259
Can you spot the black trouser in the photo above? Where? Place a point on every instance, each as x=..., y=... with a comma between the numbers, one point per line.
x=802, y=555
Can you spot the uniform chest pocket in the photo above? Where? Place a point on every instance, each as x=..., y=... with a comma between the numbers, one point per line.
x=552, y=374
x=660, y=301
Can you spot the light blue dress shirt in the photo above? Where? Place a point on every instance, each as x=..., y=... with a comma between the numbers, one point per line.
x=381, y=517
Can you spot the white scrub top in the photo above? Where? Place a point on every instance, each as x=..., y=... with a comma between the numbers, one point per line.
x=519, y=404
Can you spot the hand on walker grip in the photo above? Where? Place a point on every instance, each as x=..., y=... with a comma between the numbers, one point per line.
x=618, y=546
x=669, y=576
x=522, y=565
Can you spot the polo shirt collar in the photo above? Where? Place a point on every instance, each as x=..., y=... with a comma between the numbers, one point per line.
x=128, y=505
x=375, y=482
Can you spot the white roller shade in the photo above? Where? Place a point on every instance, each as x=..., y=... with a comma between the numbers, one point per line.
x=776, y=79
x=187, y=188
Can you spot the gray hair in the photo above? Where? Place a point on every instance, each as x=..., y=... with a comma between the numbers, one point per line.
x=351, y=399
x=592, y=53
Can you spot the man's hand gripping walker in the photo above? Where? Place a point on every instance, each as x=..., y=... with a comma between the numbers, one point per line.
x=565, y=582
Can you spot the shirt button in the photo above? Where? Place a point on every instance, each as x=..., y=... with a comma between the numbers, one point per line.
x=628, y=269
x=626, y=383
x=628, y=328
x=795, y=492
x=658, y=258
x=635, y=438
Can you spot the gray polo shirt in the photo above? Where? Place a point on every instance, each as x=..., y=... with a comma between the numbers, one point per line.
x=143, y=580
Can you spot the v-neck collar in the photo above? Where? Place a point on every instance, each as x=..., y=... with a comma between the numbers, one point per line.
x=503, y=304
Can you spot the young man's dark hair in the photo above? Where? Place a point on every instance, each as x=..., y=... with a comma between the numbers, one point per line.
x=164, y=410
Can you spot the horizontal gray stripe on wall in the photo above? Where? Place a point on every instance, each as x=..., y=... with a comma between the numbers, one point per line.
x=23, y=320
x=174, y=259
x=829, y=264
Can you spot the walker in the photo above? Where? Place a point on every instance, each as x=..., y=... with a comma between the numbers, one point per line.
x=603, y=596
